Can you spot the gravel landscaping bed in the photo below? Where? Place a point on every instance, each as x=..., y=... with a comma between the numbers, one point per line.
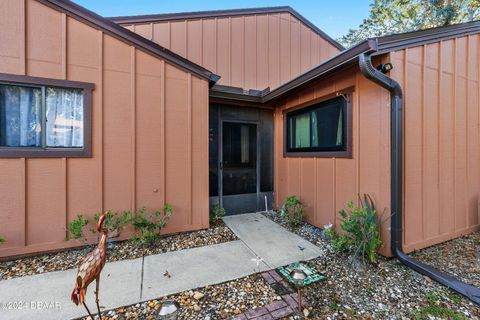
x=386, y=291
x=122, y=250
x=220, y=301
x=459, y=257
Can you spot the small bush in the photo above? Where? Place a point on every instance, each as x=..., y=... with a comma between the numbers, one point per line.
x=115, y=222
x=293, y=210
x=2, y=240
x=75, y=228
x=361, y=230
x=148, y=226
x=216, y=213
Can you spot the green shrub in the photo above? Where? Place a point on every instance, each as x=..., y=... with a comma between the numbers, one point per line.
x=148, y=226
x=216, y=213
x=293, y=210
x=115, y=222
x=75, y=228
x=2, y=240
x=361, y=234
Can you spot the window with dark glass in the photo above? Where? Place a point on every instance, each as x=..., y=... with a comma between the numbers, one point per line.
x=317, y=128
x=41, y=117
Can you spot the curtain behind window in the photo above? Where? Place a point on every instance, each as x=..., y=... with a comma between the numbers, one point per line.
x=20, y=116
x=302, y=131
x=64, y=109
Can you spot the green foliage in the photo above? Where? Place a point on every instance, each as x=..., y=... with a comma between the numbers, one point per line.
x=360, y=227
x=148, y=226
x=115, y=222
x=2, y=240
x=75, y=228
x=216, y=213
x=437, y=310
x=294, y=210
x=397, y=16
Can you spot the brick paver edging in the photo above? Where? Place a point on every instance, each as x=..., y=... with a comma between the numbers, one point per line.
x=274, y=310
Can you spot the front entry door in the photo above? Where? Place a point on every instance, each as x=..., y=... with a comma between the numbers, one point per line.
x=238, y=167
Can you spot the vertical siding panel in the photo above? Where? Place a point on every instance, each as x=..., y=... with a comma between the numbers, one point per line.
x=117, y=125
x=314, y=50
x=161, y=34
x=46, y=201
x=250, y=48
x=305, y=48
x=199, y=143
x=133, y=127
x=374, y=157
x=295, y=48
x=44, y=53
x=273, y=51
x=145, y=30
x=285, y=48
x=308, y=187
x=163, y=132
x=189, y=148
x=209, y=47
x=178, y=40
x=177, y=145
x=12, y=197
x=12, y=32
x=223, y=50
x=238, y=52
x=460, y=126
x=263, y=54
x=194, y=41
x=324, y=192
x=447, y=148
x=473, y=143
x=413, y=145
x=430, y=142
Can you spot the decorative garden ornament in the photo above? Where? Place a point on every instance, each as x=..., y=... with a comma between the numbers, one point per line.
x=90, y=270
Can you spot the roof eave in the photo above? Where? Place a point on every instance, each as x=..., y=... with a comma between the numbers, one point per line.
x=329, y=66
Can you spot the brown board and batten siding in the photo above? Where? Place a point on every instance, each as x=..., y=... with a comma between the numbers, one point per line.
x=253, y=51
x=325, y=184
x=441, y=87
x=139, y=155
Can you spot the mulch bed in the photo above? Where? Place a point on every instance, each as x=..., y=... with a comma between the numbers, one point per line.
x=122, y=250
x=388, y=290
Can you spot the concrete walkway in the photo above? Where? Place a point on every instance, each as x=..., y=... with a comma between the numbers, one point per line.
x=47, y=296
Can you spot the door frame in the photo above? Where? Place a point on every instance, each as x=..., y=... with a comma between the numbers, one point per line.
x=220, y=156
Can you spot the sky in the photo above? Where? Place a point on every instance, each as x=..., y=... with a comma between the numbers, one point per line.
x=333, y=17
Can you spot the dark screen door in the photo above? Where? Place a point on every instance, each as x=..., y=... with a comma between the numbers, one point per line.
x=238, y=165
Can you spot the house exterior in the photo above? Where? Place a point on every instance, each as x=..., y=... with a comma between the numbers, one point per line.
x=240, y=107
